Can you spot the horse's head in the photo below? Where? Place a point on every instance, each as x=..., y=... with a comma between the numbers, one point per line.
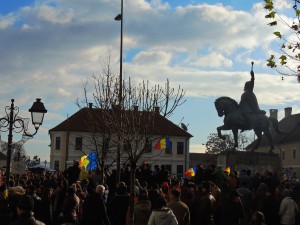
x=225, y=105
x=219, y=107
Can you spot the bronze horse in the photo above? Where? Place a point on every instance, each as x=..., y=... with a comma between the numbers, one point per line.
x=234, y=121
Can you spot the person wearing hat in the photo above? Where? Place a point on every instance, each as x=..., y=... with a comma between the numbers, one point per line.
x=232, y=209
x=25, y=206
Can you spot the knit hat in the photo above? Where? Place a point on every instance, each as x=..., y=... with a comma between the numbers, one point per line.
x=25, y=203
x=286, y=193
x=165, y=184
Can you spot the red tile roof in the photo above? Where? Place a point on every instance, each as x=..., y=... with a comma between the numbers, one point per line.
x=78, y=122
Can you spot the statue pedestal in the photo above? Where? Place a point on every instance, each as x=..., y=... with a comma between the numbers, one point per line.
x=254, y=161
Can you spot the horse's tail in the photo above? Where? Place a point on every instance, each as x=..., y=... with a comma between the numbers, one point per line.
x=275, y=124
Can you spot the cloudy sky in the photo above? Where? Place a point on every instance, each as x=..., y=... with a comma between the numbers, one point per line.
x=49, y=48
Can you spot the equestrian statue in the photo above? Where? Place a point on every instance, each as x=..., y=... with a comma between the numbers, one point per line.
x=246, y=116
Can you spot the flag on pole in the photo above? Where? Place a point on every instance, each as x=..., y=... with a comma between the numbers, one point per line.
x=227, y=169
x=190, y=172
x=84, y=161
x=89, y=161
x=162, y=143
x=92, y=157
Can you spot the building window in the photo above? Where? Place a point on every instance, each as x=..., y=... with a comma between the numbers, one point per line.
x=169, y=149
x=180, y=147
x=148, y=146
x=283, y=155
x=180, y=170
x=169, y=168
x=78, y=143
x=56, y=165
x=294, y=153
x=57, y=143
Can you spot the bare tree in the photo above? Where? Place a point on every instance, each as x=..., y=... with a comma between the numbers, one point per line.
x=130, y=124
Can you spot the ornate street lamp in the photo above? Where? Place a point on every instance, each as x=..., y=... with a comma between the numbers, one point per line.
x=13, y=123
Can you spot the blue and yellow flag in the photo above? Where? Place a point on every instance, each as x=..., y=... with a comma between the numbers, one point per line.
x=89, y=161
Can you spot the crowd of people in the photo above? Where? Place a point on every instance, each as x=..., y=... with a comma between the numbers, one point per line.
x=211, y=197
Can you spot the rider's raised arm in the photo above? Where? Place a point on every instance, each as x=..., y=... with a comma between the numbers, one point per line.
x=252, y=81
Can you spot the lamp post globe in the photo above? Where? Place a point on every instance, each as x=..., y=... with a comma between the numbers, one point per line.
x=37, y=111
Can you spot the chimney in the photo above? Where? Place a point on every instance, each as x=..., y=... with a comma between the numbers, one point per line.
x=273, y=113
x=136, y=108
x=156, y=108
x=90, y=105
x=287, y=111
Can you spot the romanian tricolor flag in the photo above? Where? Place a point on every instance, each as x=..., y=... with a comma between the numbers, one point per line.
x=190, y=172
x=162, y=143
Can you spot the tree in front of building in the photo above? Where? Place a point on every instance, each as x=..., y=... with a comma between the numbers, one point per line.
x=287, y=62
x=126, y=126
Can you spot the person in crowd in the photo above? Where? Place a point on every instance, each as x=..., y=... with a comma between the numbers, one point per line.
x=180, y=209
x=259, y=197
x=204, y=205
x=232, y=180
x=154, y=193
x=58, y=197
x=31, y=191
x=161, y=214
x=45, y=207
x=72, y=173
x=257, y=218
x=245, y=178
x=220, y=178
x=288, y=209
x=271, y=209
x=25, y=206
x=163, y=175
x=119, y=205
x=93, y=209
x=247, y=200
x=165, y=189
x=71, y=206
x=232, y=209
x=142, y=209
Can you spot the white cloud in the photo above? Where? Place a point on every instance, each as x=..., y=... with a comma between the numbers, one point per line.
x=159, y=58
x=213, y=60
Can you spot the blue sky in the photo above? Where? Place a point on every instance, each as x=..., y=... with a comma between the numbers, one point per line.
x=49, y=48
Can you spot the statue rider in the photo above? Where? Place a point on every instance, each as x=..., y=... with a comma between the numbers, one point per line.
x=248, y=104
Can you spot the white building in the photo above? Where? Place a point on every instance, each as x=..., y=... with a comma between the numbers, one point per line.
x=68, y=143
